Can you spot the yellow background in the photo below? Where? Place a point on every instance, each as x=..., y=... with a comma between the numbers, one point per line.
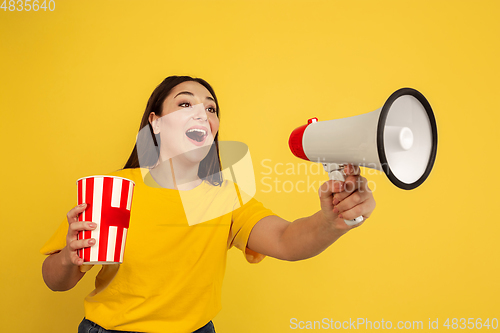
x=74, y=83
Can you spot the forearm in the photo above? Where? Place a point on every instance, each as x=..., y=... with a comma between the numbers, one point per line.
x=60, y=274
x=308, y=237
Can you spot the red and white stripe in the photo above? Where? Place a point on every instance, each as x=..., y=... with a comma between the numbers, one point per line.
x=108, y=202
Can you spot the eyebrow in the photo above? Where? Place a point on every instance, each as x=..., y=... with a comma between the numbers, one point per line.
x=191, y=94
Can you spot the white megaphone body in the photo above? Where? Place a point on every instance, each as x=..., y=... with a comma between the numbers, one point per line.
x=399, y=139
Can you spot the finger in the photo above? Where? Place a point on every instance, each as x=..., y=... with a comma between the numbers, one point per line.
x=351, y=170
x=352, y=213
x=328, y=188
x=82, y=226
x=354, y=199
x=75, y=227
x=356, y=183
x=73, y=248
x=73, y=213
x=325, y=197
x=351, y=184
x=364, y=208
x=80, y=244
x=75, y=259
x=338, y=197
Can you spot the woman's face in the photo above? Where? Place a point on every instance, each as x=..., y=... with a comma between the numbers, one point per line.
x=188, y=123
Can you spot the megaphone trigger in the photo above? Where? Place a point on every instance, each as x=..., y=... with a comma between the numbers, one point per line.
x=336, y=172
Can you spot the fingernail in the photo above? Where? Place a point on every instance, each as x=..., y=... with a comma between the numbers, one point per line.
x=335, y=201
x=82, y=205
x=335, y=210
x=92, y=225
x=340, y=215
x=92, y=242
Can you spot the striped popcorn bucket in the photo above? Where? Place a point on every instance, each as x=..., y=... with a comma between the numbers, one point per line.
x=108, y=200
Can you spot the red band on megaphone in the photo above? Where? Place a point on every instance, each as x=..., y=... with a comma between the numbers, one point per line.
x=295, y=142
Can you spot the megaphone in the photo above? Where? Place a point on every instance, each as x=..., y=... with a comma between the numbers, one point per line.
x=400, y=139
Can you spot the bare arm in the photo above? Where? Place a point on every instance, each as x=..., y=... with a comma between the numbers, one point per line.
x=309, y=236
x=58, y=274
x=61, y=271
x=304, y=238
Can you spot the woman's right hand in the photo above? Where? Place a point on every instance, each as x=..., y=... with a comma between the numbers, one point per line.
x=73, y=244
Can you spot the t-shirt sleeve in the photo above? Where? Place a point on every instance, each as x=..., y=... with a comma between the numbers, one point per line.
x=243, y=221
x=58, y=240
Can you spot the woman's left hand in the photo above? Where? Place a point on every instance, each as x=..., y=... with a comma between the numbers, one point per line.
x=350, y=199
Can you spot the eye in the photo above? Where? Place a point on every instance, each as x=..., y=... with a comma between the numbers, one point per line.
x=211, y=109
x=185, y=104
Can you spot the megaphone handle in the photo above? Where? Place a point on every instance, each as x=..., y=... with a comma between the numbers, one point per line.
x=339, y=175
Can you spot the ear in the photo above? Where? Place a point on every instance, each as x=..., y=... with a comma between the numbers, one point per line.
x=155, y=122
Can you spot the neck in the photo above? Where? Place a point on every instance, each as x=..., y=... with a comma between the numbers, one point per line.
x=173, y=174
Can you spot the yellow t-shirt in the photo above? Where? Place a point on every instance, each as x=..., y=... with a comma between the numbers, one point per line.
x=174, y=261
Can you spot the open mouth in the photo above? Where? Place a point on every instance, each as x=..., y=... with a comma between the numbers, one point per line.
x=197, y=135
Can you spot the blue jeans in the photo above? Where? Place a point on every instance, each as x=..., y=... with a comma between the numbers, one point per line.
x=87, y=326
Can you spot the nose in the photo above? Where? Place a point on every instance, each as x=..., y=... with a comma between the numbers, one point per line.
x=199, y=112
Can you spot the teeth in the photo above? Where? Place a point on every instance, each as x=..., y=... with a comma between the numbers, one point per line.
x=197, y=130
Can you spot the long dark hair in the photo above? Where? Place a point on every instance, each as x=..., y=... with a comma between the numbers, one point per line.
x=149, y=143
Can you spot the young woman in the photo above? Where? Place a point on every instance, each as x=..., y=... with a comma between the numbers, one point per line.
x=184, y=218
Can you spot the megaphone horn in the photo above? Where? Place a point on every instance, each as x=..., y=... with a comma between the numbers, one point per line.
x=400, y=139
